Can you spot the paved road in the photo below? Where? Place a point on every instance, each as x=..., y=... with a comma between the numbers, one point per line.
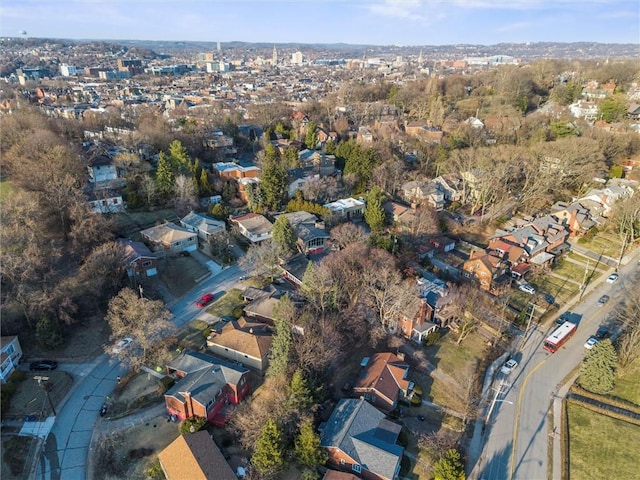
x=67, y=446
x=520, y=416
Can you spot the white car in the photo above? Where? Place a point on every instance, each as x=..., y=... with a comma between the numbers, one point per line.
x=612, y=278
x=508, y=367
x=525, y=287
x=121, y=345
x=591, y=342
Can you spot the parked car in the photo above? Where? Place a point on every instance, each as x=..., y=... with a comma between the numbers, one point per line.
x=612, y=278
x=602, y=332
x=122, y=344
x=43, y=365
x=602, y=300
x=508, y=367
x=205, y=300
x=550, y=299
x=525, y=287
x=591, y=342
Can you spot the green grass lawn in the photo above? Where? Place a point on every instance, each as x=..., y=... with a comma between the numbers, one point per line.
x=628, y=384
x=228, y=305
x=6, y=189
x=605, y=243
x=575, y=272
x=601, y=447
x=561, y=291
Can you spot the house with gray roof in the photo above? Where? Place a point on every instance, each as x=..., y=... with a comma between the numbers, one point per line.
x=311, y=234
x=204, y=225
x=358, y=438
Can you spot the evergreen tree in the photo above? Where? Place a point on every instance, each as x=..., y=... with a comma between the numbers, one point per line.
x=219, y=212
x=271, y=153
x=273, y=184
x=268, y=456
x=178, y=155
x=300, y=396
x=374, y=213
x=449, y=467
x=283, y=234
x=291, y=157
x=311, y=138
x=204, y=184
x=165, y=177
x=309, y=451
x=597, y=372
x=281, y=344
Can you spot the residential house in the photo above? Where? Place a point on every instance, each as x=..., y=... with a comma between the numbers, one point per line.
x=384, y=381
x=243, y=341
x=364, y=135
x=140, y=261
x=10, y=356
x=633, y=111
x=205, y=385
x=102, y=169
x=244, y=185
x=417, y=191
x=443, y=243
x=203, y=225
x=359, y=439
x=234, y=171
x=584, y=109
x=311, y=234
x=424, y=131
x=254, y=227
x=346, y=209
x=170, y=238
x=451, y=187
x=394, y=210
x=321, y=163
x=294, y=268
x=336, y=475
x=483, y=268
x=261, y=304
x=194, y=456
x=104, y=200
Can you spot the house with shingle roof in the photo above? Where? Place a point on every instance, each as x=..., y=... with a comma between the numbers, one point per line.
x=358, y=438
x=171, y=238
x=254, y=227
x=243, y=341
x=140, y=261
x=203, y=225
x=311, y=234
x=384, y=381
x=204, y=386
x=194, y=456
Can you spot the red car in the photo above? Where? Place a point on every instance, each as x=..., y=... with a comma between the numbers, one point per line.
x=205, y=300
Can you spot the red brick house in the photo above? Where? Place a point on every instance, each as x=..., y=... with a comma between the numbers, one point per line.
x=204, y=386
x=359, y=439
x=383, y=381
x=141, y=262
x=482, y=268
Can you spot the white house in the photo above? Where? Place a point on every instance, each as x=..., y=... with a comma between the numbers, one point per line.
x=11, y=355
x=254, y=227
x=105, y=201
x=203, y=225
x=102, y=169
x=347, y=208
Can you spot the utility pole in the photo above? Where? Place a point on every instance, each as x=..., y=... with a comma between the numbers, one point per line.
x=584, y=280
x=495, y=400
x=624, y=245
x=40, y=379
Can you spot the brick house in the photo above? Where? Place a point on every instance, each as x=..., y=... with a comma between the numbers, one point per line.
x=141, y=262
x=205, y=385
x=359, y=439
x=482, y=268
x=384, y=381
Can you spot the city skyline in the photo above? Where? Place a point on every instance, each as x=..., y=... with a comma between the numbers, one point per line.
x=377, y=22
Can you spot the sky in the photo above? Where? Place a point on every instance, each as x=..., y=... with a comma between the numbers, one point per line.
x=375, y=22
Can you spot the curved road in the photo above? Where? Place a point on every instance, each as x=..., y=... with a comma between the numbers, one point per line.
x=517, y=435
x=66, y=449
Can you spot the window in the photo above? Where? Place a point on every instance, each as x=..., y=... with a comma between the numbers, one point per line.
x=177, y=244
x=342, y=461
x=356, y=468
x=146, y=263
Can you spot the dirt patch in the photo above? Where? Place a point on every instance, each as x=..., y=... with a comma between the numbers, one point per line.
x=128, y=224
x=17, y=455
x=128, y=454
x=180, y=274
x=30, y=398
x=135, y=392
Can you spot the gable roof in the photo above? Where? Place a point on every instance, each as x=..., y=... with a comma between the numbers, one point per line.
x=361, y=432
x=167, y=233
x=254, y=223
x=385, y=373
x=195, y=456
x=134, y=250
x=250, y=338
x=202, y=222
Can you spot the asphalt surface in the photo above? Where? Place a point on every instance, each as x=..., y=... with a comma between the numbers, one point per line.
x=517, y=432
x=66, y=450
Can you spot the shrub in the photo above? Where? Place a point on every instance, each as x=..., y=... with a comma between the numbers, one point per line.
x=196, y=422
x=432, y=338
x=155, y=472
x=167, y=382
x=18, y=376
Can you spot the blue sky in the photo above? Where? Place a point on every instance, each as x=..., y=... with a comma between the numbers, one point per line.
x=379, y=22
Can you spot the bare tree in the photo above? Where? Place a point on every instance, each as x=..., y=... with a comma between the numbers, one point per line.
x=185, y=194
x=262, y=259
x=346, y=234
x=629, y=314
x=144, y=321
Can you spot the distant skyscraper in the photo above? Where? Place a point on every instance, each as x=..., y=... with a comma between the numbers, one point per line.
x=274, y=57
x=296, y=58
x=219, y=49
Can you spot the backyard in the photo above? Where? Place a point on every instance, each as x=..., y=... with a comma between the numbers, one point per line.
x=628, y=384
x=595, y=446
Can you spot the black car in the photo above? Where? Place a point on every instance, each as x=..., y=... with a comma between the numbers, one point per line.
x=43, y=365
x=603, y=332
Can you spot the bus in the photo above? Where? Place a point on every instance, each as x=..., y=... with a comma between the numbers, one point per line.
x=559, y=336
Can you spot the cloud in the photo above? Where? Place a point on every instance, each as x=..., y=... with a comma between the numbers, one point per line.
x=405, y=9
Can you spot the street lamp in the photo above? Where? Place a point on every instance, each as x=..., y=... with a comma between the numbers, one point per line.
x=40, y=379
